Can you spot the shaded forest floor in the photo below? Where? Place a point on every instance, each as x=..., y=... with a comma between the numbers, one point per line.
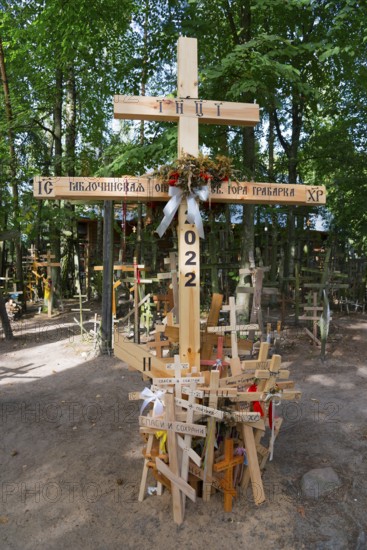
x=70, y=451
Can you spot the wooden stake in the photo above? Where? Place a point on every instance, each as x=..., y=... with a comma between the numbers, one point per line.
x=173, y=460
x=210, y=441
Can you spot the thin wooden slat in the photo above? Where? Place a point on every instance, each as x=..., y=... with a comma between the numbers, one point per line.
x=134, y=189
x=173, y=460
x=178, y=109
x=134, y=355
x=175, y=480
x=253, y=465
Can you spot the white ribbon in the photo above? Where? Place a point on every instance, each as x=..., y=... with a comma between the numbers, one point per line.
x=269, y=397
x=193, y=212
x=152, y=397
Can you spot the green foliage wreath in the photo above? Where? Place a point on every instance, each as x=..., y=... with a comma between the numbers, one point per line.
x=190, y=173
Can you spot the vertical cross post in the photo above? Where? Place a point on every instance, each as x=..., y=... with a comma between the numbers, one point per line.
x=188, y=245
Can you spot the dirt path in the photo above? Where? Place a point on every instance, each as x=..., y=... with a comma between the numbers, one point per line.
x=70, y=453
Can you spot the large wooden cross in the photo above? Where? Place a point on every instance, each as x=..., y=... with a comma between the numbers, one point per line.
x=188, y=110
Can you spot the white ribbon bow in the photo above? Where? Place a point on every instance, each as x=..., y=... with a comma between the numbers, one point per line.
x=270, y=397
x=152, y=397
x=193, y=212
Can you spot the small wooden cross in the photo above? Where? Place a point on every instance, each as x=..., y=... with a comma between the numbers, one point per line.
x=172, y=472
x=158, y=344
x=219, y=363
x=235, y=360
x=178, y=367
x=227, y=466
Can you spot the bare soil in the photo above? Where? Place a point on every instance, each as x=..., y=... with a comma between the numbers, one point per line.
x=70, y=451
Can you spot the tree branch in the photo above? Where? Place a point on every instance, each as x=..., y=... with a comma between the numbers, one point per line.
x=283, y=142
x=232, y=24
x=44, y=127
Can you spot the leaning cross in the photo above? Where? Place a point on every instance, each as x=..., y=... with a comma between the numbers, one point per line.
x=188, y=110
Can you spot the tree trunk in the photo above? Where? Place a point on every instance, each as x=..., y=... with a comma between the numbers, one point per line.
x=213, y=254
x=13, y=174
x=5, y=319
x=248, y=235
x=70, y=144
x=107, y=277
x=291, y=150
x=54, y=229
x=242, y=35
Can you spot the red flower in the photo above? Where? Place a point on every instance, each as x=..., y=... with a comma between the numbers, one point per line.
x=173, y=179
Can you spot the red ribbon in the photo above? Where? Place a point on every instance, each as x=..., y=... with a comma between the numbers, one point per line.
x=271, y=414
x=255, y=404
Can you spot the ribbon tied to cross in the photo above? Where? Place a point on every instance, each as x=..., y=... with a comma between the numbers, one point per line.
x=271, y=397
x=154, y=397
x=193, y=212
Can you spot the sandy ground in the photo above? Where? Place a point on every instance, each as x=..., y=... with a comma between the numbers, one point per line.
x=70, y=452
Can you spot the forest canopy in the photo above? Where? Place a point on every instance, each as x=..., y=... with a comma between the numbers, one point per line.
x=303, y=62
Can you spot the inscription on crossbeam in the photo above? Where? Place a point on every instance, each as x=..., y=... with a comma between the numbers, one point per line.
x=207, y=392
x=172, y=109
x=168, y=381
x=178, y=427
x=209, y=411
x=131, y=188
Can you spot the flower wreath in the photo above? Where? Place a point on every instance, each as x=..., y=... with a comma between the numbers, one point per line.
x=192, y=178
x=189, y=172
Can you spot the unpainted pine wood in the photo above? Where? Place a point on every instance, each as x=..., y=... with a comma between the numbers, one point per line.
x=145, y=189
x=174, y=465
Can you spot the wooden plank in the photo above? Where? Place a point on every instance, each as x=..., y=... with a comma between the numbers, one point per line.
x=206, y=392
x=144, y=475
x=210, y=441
x=173, y=459
x=175, y=480
x=188, y=236
x=185, y=444
x=184, y=428
x=207, y=411
x=287, y=395
x=238, y=380
x=213, y=318
x=173, y=381
x=214, y=311
x=265, y=374
x=189, y=290
x=133, y=189
x=253, y=465
x=177, y=109
x=172, y=333
x=136, y=355
x=227, y=465
x=331, y=286
x=266, y=290
x=215, y=481
x=244, y=416
x=238, y=328
x=123, y=267
x=309, y=333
